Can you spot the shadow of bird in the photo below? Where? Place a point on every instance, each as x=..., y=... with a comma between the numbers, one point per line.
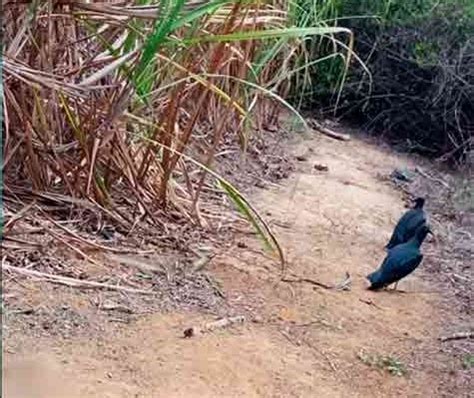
x=400, y=261
x=408, y=224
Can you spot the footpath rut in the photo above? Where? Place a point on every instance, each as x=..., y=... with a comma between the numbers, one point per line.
x=303, y=341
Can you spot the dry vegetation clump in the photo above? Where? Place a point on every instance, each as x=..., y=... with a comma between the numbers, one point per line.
x=115, y=113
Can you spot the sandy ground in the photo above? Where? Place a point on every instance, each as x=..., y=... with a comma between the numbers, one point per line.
x=301, y=340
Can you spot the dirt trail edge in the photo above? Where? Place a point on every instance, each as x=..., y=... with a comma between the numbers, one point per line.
x=298, y=340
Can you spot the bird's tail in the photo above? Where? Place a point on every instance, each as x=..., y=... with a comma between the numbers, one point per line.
x=375, y=286
x=373, y=279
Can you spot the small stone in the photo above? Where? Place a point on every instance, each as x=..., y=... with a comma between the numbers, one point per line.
x=321, y=167
x=188, y=333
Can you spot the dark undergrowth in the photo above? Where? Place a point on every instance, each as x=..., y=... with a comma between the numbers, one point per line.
x=420, y=90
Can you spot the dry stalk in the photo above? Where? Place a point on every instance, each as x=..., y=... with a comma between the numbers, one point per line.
x=72, y=282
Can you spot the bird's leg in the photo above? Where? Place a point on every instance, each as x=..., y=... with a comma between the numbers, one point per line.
x=395, y=286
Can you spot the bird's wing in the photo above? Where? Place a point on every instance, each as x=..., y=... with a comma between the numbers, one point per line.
x=415, y=222
x=397, y=235
x=394, y=239
x=399, y=232
x=400, y=262
x=406, y=267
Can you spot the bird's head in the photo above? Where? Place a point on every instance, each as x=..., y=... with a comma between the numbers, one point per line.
x=419, y=202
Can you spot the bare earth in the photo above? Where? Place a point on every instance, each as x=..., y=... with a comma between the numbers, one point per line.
x=298, y=340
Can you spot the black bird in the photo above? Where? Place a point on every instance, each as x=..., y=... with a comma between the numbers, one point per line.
x=400, y=261
x=408, y=224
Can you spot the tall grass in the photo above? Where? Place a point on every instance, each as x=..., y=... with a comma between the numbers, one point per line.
x=103, y=99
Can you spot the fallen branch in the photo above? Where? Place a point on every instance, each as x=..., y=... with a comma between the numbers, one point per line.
x=22, y=241
x=370, y=302
x=325, y=356
x=434, y=179
x=298, y=343
x=76, y=237
x=109, y=306
x=73, y=282
x=328, y=132
x=344, y=285
x=288, y=337
x=138, y=263
x=458, y=336
x=281, y=224
x=202, y=262
x=306, y=280
x=215, y=286
x=71, y=246
x=17, y=217
x=209, y=327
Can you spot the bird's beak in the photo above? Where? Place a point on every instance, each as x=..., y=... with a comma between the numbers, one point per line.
x=435, y=239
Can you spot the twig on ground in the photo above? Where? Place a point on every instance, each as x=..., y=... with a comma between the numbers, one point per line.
x=458, y=336
x=21, y=241
x=281, y=224
x=328, y=132
x=344, y=285
x=202, y=262
x=18, y=216
x=74, y=236
x=326, y=356
x=214, y=285
x=286, y=335
x=109, y=306
x=331, y=363
x=306, y=280
x=72, y=247
x=370, y=302
x=73, y=282
x=210, y=326
x=138, y=263
x=434, y=179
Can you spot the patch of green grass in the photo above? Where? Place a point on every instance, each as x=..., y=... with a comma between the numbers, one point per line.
x=393, y=365
x=468, y=361
x=388, y=363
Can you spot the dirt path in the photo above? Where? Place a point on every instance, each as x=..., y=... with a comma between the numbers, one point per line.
x=303, y=341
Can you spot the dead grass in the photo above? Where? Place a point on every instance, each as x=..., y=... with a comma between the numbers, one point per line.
x=115, y=114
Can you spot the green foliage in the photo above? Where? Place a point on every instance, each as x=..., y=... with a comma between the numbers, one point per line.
x=468, y=362
x=426, y=53
x=389, y=12
x=167, y=16
x=329, y=74
x=388, y=363
x=170, y=18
